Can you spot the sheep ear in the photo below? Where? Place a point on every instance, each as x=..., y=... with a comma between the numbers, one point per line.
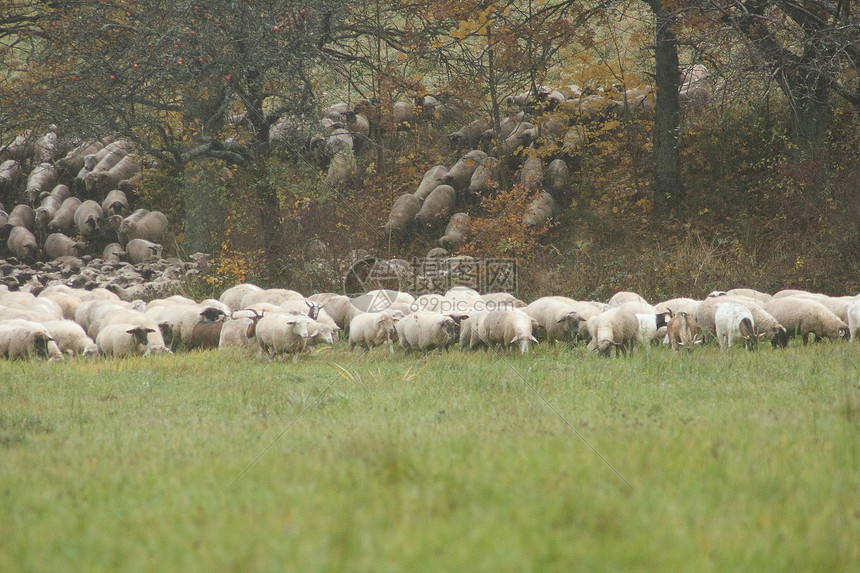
x=532, y=338
x=148, y=330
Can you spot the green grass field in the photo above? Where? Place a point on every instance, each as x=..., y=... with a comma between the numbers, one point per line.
x=556, y=461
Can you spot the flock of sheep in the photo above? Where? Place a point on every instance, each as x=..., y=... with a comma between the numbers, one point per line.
x=62, y=321
x=84, y=194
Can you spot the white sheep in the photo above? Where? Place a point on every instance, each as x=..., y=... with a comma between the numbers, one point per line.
x=59, y=245
x=22, y=243
x=124, y=340
x=89, y=219
x=624, y=296
x=557, y=317
x=278, y=334
x=505, y=328
x=763, y=321
x=321, y=333
x=616, y=327
x=141, y=251
x=371, y=329
x=232, y=296
x=150, y=227
x=803, y=316
x=649, y=325
x=271, y=295
x=734, y=321
x=70, y=337
x=129, y=316
x=24, y=339
x=426, y=331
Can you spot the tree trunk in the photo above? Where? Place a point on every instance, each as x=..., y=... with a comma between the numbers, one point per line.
x=668, y=189
x=204, y=214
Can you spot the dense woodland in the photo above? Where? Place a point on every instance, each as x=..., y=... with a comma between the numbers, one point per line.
x=751, y=180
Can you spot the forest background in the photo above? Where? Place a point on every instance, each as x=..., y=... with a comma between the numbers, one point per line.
x=751, y=183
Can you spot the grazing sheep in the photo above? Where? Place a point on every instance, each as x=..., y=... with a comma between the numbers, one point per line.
x=115, y=203
x=141, y=251
x=150, y=226
x=801, y=316
x=22, y=243
x=460, y=175
x=540, y=211
x=432, y=179
x=20, y=340
x=64, y=219
x=558, y=318
x=616, y=327
x=70, y=337
x=763, y=321
x=402, y=215
x=426, y=331
x=89, y=219
x=58, y=245
x=505, y=328
x=733, y=321
x=682, y=331
x=455, y=232
x=321, y=333
x=437, y=208
x=278, y=334
x=371, y=329
x=124, y=340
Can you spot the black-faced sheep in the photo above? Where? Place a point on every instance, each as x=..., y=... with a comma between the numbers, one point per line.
x=801, y=316
x=89, y=219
